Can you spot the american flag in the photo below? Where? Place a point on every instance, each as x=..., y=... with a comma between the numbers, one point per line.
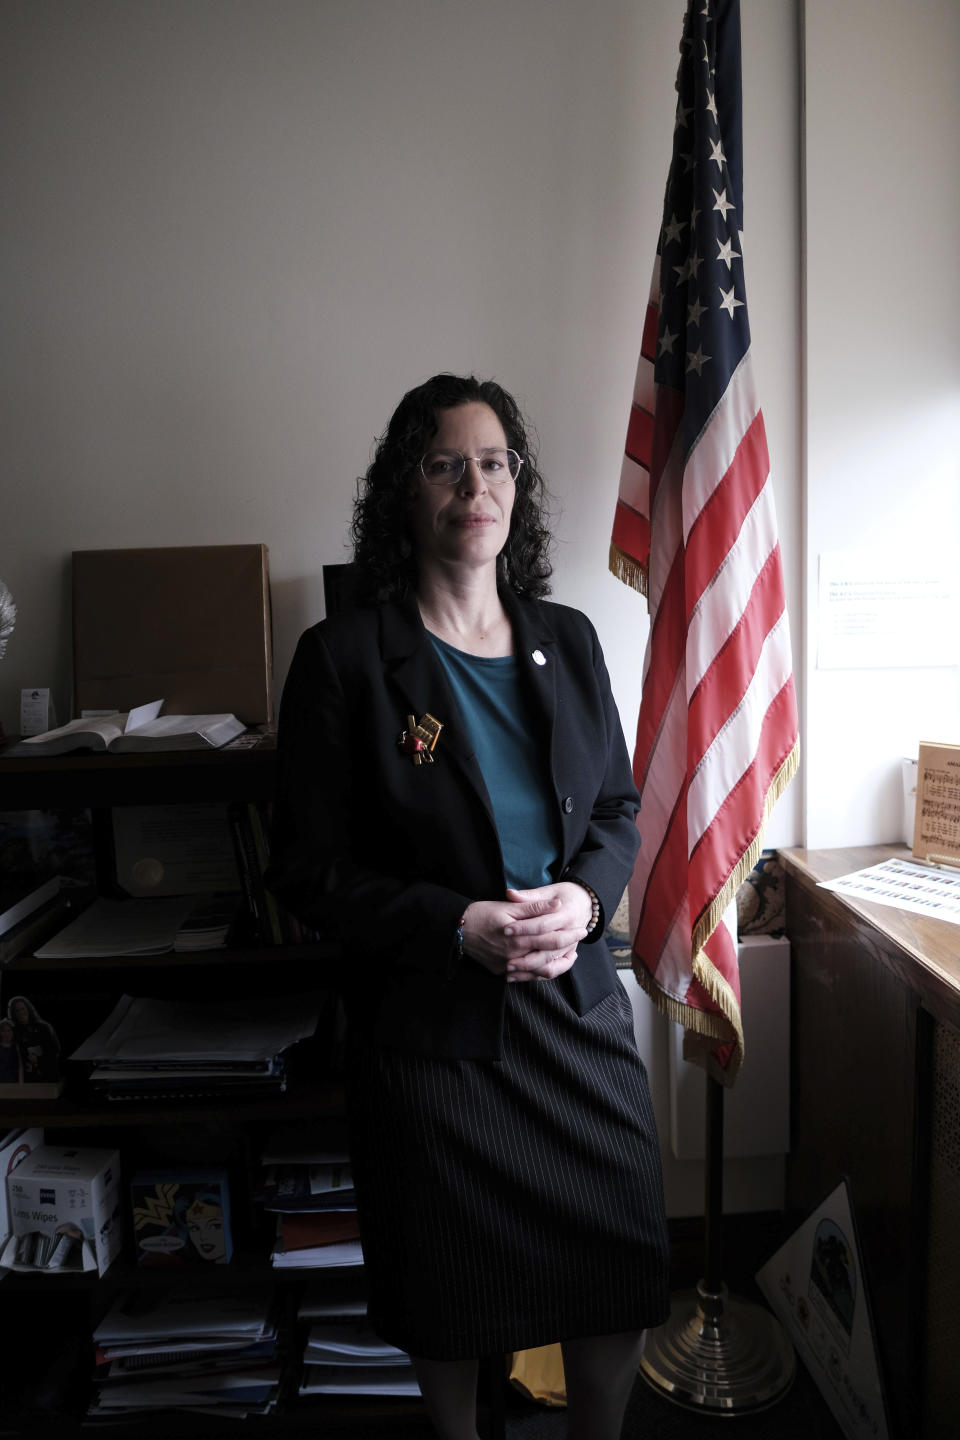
x=695, y=529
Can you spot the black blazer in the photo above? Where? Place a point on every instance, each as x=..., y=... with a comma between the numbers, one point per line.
x=384, y=855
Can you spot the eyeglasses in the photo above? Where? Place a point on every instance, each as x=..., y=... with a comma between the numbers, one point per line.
x=446, y=467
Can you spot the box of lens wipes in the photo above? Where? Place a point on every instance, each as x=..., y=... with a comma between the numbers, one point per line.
x=65, y=1212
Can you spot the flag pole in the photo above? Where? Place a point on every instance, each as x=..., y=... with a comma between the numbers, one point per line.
x=716, y=1353
x=718, y=730
x=713, y=1196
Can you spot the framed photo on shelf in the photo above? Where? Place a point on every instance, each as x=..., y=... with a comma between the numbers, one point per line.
x=29, y=1053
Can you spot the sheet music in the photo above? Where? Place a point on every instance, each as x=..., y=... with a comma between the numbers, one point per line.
x=921, y=889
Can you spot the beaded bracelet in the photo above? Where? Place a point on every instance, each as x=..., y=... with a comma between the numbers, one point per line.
x=594, y=906
x=460, y=936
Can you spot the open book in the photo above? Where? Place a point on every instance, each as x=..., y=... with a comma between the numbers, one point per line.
x=115, y=732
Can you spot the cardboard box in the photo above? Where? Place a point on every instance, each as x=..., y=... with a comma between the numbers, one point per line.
x=64, y=1208
x=14, y=1149
x=188, y=625
x=181, y=1217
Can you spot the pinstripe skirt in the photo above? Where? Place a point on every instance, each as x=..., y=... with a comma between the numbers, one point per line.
x=512, y=1203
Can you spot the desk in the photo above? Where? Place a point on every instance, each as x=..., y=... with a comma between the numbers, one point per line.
x=875, y=1083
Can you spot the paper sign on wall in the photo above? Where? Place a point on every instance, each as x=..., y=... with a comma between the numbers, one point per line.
x=879, y=611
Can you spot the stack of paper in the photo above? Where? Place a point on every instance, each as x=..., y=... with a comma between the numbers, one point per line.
x=144, y=926
x=348, y=1359
x=306, y=1241
x=208, y=924
x=309, y=1188
x=187, y=1350
x=167, y=1050
x=342, y=1356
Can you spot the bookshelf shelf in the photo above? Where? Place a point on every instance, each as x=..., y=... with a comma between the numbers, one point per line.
x=300, y=1101
x=249, y=1267
x=333, y=1419
x=105, y=780
x=232, y=1128
x=303, y=957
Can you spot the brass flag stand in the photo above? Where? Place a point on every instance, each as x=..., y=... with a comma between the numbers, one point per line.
x=717, y=1354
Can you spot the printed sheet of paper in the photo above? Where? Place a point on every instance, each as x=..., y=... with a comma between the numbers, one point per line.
x=816, y=1286
x=174, y=849
x=923, y=889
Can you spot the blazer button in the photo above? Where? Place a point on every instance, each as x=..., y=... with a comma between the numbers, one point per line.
x=567, y=804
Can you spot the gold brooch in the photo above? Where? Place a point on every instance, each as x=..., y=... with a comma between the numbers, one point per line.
x=420, y=738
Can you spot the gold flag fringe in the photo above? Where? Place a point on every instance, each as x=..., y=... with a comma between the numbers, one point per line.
x=704, y=1022
x=710, y=918
x=625, y=568
x=721, y=994
x=707, y=1025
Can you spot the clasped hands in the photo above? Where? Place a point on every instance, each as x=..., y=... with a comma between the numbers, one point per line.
x=532, y=934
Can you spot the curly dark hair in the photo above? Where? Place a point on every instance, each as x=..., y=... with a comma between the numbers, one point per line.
x=384, y=553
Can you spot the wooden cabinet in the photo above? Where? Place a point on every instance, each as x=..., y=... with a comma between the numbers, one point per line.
x=47, y=1320
x=875, y=1082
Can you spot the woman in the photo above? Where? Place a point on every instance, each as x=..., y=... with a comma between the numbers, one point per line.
x=36, y=1040
x=11, y=1065
x=199, y=1214
x=455, y=804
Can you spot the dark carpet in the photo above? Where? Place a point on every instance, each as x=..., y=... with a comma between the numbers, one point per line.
x=800, y=1414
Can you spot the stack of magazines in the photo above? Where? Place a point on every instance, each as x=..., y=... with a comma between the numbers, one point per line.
x=169, y=1050
x=208, y=924
x=184, y=1349
x=317, y=1238
x=341, y=1354
x=307, y=1184
x=308, y=1187
x=346, y=1358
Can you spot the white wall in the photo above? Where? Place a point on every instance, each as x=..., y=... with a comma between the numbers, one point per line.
x=882, y=375
x=233, y=233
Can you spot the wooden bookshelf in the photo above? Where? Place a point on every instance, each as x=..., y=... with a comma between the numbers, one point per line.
x=63, y=1310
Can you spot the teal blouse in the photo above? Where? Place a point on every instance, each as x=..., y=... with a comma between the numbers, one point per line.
x=496, y=716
